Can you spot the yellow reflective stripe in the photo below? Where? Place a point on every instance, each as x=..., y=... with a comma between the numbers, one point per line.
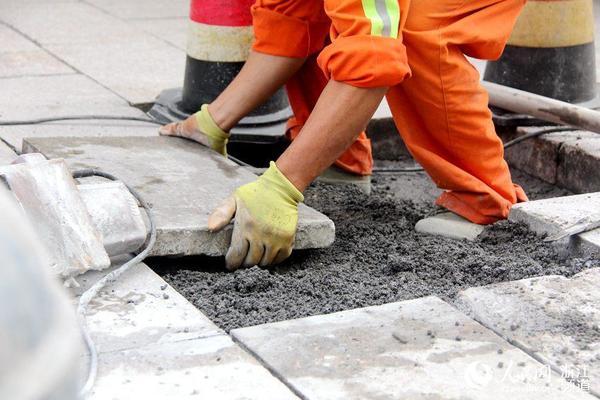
x=370, y=8
x=393, y=10
x=384, y=16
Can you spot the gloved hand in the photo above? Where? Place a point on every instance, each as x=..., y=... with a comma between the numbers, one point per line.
x=201, y=128
x=266, y=217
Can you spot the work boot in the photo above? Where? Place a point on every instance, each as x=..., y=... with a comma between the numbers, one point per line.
x=337, y=176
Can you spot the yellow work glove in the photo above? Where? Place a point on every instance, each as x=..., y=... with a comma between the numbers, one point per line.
x=217, y=137
x=266, y=217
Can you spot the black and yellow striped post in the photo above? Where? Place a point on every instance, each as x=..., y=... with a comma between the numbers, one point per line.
x=219, y=39
x=550, y=52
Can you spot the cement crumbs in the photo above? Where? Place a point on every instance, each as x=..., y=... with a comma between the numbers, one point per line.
x=377, y=258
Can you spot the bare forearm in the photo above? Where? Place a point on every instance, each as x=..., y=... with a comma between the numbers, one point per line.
x=260, y=77
x=339, y=116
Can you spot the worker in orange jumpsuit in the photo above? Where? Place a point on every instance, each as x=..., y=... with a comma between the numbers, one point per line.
x=338, y=59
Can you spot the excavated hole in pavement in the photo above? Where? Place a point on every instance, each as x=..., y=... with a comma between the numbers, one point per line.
x=377, y=258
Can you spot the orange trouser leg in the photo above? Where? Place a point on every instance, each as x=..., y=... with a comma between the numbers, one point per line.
x=442, y=110
x=304, y=90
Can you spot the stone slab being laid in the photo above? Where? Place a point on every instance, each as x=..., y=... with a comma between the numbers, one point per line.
x=21, y=57
x=182, y=180
x=14, y=135
x=449, y=225
x=421, y=348
x=154, y=344
x=555, y=318
x=59, y=95
x=549, y=216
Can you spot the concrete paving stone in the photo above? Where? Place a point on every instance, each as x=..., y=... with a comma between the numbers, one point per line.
x=58, y=95
x=7, y=155
x=541, y=156
x=449, y=225
x=20, y=57
x=171, y=30
x=421, y=348
x=549, y=216
x=556, y=319
x=139, y=310
x=14, y=135
x=182, y=180
x=137, y=9
x=209, y=368
x=579, y=163
x=66, y=23
x=137, y=69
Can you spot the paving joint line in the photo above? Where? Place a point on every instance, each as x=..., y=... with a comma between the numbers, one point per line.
x=57, y=57
x=272, y=370
x=125, y=20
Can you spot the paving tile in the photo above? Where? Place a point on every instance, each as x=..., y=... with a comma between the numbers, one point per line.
x=182, y=180
x=449, y=225
x=421, y=348
x=549, y=216
x=172, y=30
x=52, y=96
x=555, y=318
x=141, y=309
x=136, y=69
x=209, y=368
x=154, y=344
x=68, y=22
x=21, y=57
x=136, y=9
x=14, y=135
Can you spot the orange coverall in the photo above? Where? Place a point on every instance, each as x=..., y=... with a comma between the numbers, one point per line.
x=417, y=48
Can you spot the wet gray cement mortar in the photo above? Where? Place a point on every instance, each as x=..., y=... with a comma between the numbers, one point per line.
x=377, y=258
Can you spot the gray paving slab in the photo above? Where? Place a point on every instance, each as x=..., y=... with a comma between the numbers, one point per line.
x=65, y=22
x=182, y=180
x=554, y=318
x=420, y=348
x=449, y=225
x=7, y=155
x=21, y=57
x=14, y=135
x=138, y=69
x=139, y=9
x=549, y=216
x=209, y=368
x=57, y=95
x=171, y=30
x=154, y=344
x=139, y=310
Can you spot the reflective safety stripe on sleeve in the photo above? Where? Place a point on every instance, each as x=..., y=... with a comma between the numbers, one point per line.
x=384, y=16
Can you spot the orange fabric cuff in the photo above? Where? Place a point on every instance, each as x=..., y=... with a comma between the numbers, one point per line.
x=365, y=61
x=281, y=35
